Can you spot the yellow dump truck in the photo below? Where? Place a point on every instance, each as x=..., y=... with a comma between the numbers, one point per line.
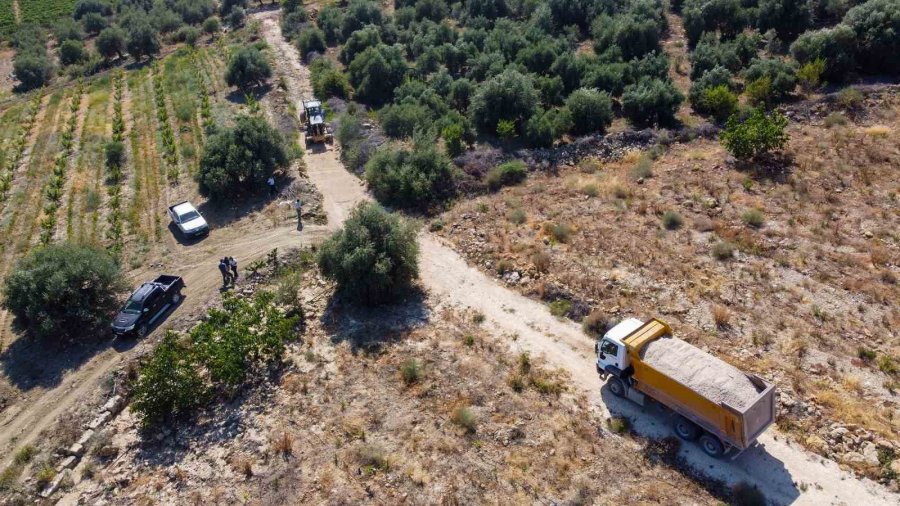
x=714, y=401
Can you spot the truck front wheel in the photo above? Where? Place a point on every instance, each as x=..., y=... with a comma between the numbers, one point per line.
x=617, y=387
x=712, y=446
x=686, y=429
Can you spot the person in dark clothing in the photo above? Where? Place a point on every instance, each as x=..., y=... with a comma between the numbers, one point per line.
x=223, y=268
x=234, y=272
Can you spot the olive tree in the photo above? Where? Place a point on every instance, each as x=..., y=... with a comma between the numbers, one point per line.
x=756, y=135
x=63, y=290
x=877, y=27
x=590, y=110
x=373, y=257
x=375, y=73
x=835, y=46
x=651, y=102
x=420, y=178
x=510, y=96
x=247, y=68
x=111, y=42
x=238, y=160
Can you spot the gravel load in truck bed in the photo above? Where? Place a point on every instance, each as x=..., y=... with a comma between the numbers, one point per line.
x=712, y=378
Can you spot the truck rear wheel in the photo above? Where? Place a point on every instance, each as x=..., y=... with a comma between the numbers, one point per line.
x=142, y=331
x=712, y=446
x=176, y=298
x=686, y=429
x=617, y=387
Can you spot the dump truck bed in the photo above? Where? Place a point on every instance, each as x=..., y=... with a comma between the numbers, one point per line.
x=715, y=395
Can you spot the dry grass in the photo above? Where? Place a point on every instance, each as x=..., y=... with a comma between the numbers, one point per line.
x=283, y=444
x=721, y=316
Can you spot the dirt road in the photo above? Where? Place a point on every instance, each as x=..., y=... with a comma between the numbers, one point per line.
x=787, y=474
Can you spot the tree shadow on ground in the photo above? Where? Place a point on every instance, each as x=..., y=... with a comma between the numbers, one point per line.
x=368, y=328
x=31, y=363
x=223, y=212
x=239, y=96
x=775, y=168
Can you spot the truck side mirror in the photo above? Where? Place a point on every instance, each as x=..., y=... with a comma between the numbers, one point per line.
x=602, y=356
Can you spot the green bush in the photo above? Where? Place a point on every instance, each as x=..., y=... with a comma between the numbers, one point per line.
x=757, y=135
x=651, y=102
x=63, y=290
x=416, y=179
x=328, y=80
x=411, y=371
x=453, y=140
x=718, y=76
x=781, y=75
x=877, y=25
x=506, y=174
x=788, y=18
x=247, y=68
x=111, y=42
x=753, y=218
x=835, y=46
x=292, y=23
x=672, y=220
x=560, y=307
x=376, y=72
x=311, y=40
x=591, y=111
x=67, y=29
x=142, y=40
x=238, y=160
x=169, y=385
x=545, y=127
x=115, y=154
x=719, y=102
x=71, y=52
x=33, y=70
x=373, y=257
x=358, y=42
x=212, y=25
x=810, y=74
x=725, y=16
x=401, y=120
x=510, y=96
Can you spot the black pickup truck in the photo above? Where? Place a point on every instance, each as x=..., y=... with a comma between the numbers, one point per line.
x=147, y=304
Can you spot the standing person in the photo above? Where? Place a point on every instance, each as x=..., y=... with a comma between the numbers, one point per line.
x=271, y=183
x=234, y=271
x=298, y=206
x=223, y=268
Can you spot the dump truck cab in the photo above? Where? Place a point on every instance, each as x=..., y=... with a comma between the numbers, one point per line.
x=612, y=354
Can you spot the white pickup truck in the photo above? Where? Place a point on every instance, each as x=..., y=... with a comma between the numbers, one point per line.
x=188, y=220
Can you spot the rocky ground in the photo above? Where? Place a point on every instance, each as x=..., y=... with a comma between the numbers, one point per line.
x=788, y=269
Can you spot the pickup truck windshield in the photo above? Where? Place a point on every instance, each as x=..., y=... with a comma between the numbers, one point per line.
x=132, y=307
x=190, y=215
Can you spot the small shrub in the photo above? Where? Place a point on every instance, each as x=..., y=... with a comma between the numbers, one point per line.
x=672, y=220
x=507, y=174
x=835, y=119
x=643, y=169
x=596, y=324
x=478, y=318
x=24, y=455
x=516, y=216
x=410, y=371
x=373, y=458
x=560, y=307
x=506, y=129
x=559, y=232
x=465, y=418
x=723, y=250
x=721, y=316
x=810, y=74
x=865, y=354
x=504, y=266
x=469, y=340
x=283, y=444
x=888, y=365
x=247, y=68
x=618, y=425
x=591, y=111
x=44, y=474
x=850, y=98
x=591, y=190
x=541, y=261
x=753, y=218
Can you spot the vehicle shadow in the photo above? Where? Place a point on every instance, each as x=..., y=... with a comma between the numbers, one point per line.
x=181, y=238
x=368, y=329
x=755, y=466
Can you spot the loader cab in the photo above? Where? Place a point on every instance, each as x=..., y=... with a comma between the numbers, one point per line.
x=612, y=355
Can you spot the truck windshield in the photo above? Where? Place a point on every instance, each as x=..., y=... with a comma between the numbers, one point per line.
x=190, y=215
x=132, y=307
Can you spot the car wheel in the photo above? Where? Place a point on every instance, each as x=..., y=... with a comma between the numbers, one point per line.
x=617, y=387
x=176, y=298
x=712, y=446
x=686, y=429
x=142, y=331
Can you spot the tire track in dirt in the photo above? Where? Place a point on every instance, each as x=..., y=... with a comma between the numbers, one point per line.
x=775, y=467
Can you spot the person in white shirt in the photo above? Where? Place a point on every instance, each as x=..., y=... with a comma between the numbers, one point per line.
x=271, y=183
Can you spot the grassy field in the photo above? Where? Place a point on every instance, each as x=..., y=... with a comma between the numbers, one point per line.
x=45, y=12
x=7, y=18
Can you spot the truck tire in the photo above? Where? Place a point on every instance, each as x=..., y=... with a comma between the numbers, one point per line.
x=686, y=429
x=712, y=446
x=142, y=331
x=175, y=298
x=617, y=387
